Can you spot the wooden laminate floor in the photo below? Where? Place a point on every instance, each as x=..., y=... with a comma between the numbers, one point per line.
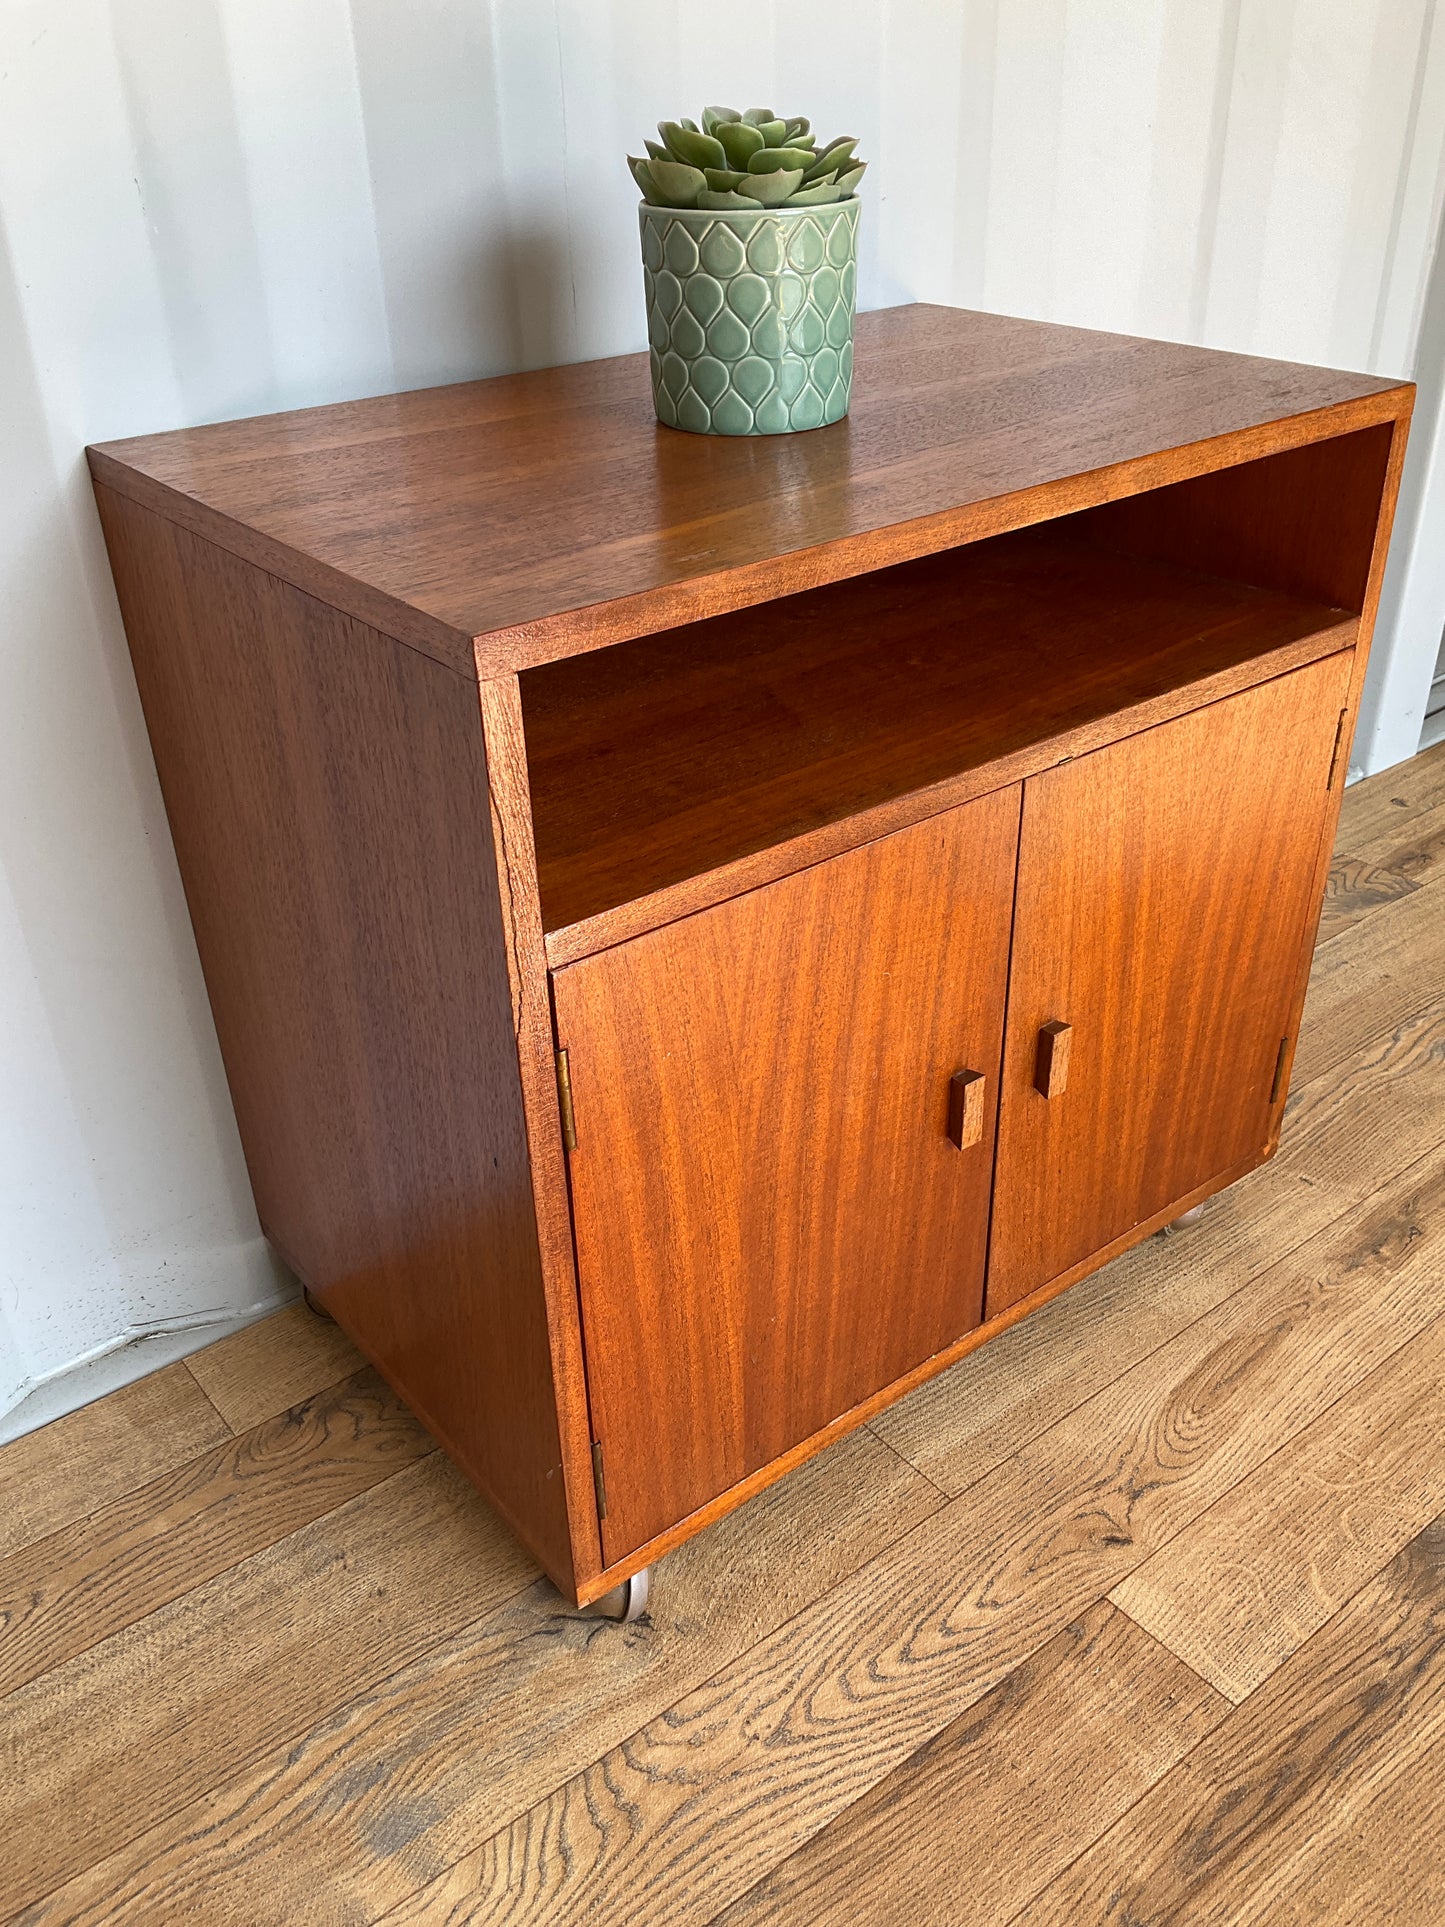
x=1138, y=1615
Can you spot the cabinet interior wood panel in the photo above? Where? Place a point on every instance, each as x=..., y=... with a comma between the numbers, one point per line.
x=772, y=1220
x=1164, y=885
x=659, y=763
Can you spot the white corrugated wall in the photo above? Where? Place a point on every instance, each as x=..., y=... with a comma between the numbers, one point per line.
x=215, y=207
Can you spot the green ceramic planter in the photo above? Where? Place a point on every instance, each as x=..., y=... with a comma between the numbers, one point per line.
x=750, y=316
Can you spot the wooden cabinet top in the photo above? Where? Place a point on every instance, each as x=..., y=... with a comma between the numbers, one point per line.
x=496, y=524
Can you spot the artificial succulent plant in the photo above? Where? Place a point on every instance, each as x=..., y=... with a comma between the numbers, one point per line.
x=745, y=161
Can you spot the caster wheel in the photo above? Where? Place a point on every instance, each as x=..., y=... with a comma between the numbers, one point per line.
x=315, y=1306
x=1186, y=1218
x=625, y=1602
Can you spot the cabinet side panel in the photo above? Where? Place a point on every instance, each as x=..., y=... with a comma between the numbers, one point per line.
x=327, y=793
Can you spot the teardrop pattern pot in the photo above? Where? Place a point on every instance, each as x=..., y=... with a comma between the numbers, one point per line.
x=750, y=316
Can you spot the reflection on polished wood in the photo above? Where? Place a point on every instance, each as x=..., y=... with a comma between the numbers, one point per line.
x=547, y=513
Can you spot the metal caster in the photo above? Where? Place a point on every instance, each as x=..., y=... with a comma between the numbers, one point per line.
x=1186, y=1218
x=626, y=1602
x=315, y=1306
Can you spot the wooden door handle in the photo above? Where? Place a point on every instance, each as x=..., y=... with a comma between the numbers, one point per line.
x=965, y=1108
x=1051, y=1065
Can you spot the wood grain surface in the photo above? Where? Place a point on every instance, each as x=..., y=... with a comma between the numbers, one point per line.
x=1248, y=1583
x=173, y=1704
x=546, y=513
x=750, y=1185
x=1232, y=1831
x=1408, y=851
x=1102, y=1709
x=514, y=858
x=1164, y=889
x=671, y=760
x=68, y=1592
x=1380, y=1860
x=267, y=1368
x=1355, y=990
x=1303, y=522
x=96, y=1455
x=841, y=1696
x=1367, y=1115
x=1374, y=813
x=849, y=1679
x=362, y=1805
x=327, y=791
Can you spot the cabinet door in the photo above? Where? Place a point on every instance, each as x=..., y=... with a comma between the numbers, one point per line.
x=772, y=1220
x=1167, y=886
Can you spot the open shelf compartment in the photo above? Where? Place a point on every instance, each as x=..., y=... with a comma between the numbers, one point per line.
x=673, y=770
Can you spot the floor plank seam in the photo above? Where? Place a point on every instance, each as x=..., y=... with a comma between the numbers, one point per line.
x=956, y=1713
x=1369, y=1579
x=1277, y=1257
x=945, y=1497
x=1225, y=1710
x=1181, y=1765
x=1351, y=1390
x=1156, y=1638
x=243, y=1766
x=186, y=1368
x=955, y=1710
x=178, y=1471
x=948, y=1715
x=247, y=1764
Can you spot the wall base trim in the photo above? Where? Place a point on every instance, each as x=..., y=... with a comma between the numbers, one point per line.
x=122, y=1360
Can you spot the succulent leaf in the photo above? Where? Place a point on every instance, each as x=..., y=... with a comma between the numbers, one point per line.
x=697, y=150
x=771, y=189
x=745, y=161
x=833, y=155
x=815, y=194
x=740, y=140
x=776, y=160
x=672, y=183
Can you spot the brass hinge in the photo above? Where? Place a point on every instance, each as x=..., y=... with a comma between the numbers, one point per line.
x=564, y=1101
x=598, y=1480
x=1335, y=752
x=1278, y=1085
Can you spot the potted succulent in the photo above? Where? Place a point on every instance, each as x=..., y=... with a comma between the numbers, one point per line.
x=749, y=251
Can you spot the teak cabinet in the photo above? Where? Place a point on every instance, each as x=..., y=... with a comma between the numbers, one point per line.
x=703, y=932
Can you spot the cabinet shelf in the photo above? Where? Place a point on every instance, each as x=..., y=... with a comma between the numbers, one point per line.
x=669, y=772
